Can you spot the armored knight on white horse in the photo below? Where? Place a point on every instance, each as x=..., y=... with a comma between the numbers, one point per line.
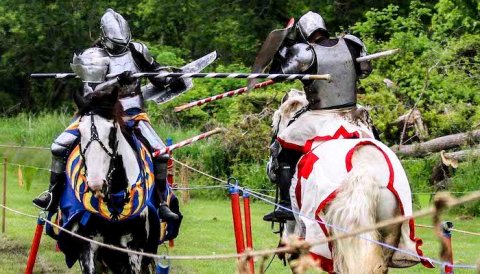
x=326, y=160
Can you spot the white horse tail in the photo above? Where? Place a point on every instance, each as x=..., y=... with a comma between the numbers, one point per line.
x=353, y=207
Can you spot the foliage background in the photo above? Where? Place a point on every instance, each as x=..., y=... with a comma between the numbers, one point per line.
x=437, y=68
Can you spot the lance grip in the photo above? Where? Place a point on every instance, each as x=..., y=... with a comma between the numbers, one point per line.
x=377, y=55
x=180, y=108
x=66, y=75
x=326, y=77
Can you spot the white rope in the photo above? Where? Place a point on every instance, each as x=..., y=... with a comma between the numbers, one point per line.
x=25, y=147
x=26, y=166
x=452, y=229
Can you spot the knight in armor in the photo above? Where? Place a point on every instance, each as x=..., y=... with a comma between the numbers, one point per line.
x=119, y=56
x=313, y=52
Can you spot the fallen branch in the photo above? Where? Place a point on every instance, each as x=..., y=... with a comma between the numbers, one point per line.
x=438, y=144
x=462, y=155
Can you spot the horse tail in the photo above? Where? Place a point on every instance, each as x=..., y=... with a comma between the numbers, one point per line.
x=353, y=207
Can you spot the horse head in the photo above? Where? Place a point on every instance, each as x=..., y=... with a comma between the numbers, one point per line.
x=100, y=128
x=292, y=102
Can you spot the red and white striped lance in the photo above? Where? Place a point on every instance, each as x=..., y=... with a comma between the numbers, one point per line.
x=187, y=142
x=223, y=95
x=234, y=75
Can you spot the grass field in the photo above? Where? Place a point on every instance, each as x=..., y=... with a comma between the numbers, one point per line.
x=207, y=229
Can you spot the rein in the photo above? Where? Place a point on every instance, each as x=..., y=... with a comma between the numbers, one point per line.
x=113, y=142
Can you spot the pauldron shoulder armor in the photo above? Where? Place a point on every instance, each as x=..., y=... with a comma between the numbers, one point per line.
x=299, y=58
x=357, y=41
x=143, y=50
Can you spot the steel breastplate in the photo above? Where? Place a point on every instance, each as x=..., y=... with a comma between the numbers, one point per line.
x=340, y=91
x=121, y=63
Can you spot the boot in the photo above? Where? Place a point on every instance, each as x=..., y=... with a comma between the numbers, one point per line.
x=160, y=169
x=281, y=214
x=48, y=200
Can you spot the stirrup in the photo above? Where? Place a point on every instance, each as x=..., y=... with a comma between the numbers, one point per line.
x=48, y=195
x=164, y=212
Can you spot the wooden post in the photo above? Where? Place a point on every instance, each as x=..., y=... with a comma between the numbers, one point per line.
x=237, y=219
x=447, y=237
x=248, y=228
x=170, y=177
x=4, y=193
x=184, y=183
x=32, y=256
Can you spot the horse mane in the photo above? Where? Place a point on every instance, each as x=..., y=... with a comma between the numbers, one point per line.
x=105, y=105
x=292, y=102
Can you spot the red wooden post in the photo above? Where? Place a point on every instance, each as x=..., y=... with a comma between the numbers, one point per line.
x=170, y=177
x=248, y=227
x=237, y=219
x=447, y=236
x=32, y=257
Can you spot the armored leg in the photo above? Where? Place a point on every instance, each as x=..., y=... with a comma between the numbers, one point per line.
x=48, y=200
x=160, y=170
x=282, y=213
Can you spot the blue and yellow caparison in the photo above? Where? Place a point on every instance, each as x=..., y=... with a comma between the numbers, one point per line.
x=139, y=193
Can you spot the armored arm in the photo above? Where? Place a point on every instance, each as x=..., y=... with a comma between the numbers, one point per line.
x=358, y=49
x=145, y=61
x=295, y=59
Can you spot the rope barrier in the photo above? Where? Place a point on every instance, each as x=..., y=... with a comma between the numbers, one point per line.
x=26, y=166
x=452, y=229
x=25, y=147
x=198, y=187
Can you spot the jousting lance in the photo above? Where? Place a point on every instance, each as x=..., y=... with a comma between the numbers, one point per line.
x=268, y=83
x=200, y=75
x=187, y=142
x=223, y=95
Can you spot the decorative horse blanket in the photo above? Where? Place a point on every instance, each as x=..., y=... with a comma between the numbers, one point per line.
x=326, y=123
x=78, y=203
x=321, y=171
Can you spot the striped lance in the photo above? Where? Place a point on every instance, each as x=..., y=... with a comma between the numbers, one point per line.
x=223, y=95
x=200, y=75
x=187, y=142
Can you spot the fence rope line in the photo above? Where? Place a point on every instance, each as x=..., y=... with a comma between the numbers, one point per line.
x=452, y=229
x=25, y=147
x=199, y=187
x=215, y=178
x=27, y=166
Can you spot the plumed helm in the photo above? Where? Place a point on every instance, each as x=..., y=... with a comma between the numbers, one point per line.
x=309, y=23
x=116, y=33
x=91, y=65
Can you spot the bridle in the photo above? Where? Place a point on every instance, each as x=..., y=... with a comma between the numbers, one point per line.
x=113, y=143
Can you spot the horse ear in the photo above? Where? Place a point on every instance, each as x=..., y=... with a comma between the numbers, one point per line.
x=79, y=98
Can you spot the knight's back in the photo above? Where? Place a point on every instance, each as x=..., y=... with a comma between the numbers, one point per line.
x=334, y=59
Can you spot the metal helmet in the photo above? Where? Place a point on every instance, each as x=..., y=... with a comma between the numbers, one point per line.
x=309, y=23
x=91, y=65
x=116, y=33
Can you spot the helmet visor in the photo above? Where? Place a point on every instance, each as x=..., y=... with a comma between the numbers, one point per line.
x=114, y=48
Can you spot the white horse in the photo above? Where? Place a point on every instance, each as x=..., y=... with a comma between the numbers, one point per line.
x=342, y=184
x=107, y=198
